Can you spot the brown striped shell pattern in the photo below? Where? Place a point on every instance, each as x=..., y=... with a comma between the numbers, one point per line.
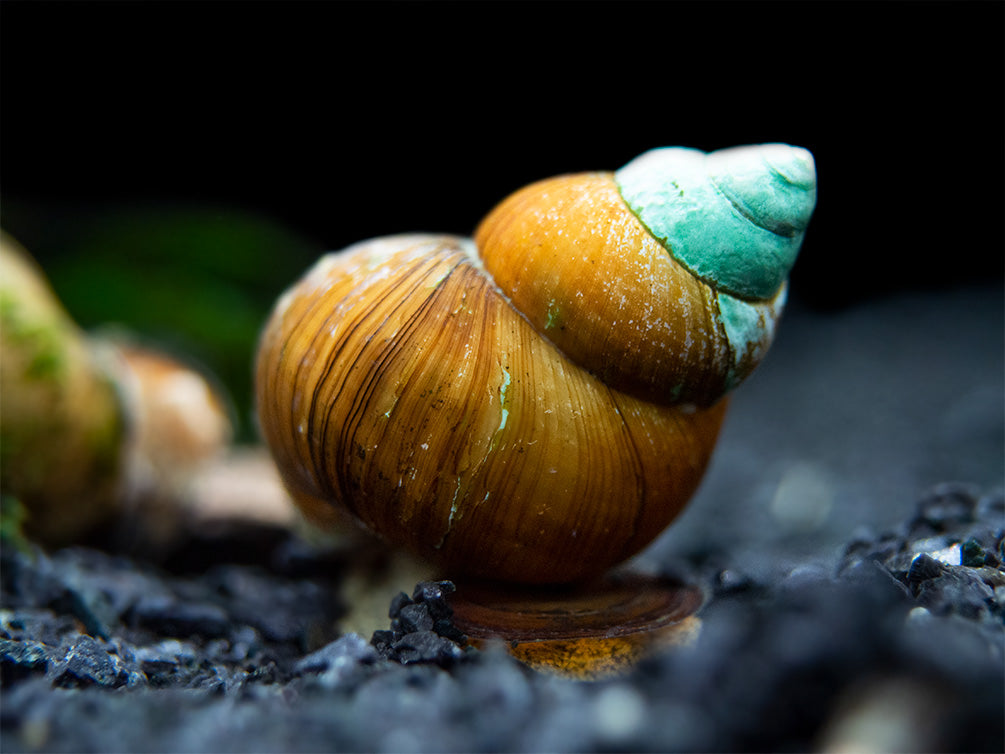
x=536, y=404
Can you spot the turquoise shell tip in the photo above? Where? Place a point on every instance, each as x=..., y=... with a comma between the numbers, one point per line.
x=735, y=217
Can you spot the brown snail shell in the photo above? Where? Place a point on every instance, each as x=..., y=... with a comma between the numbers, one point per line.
x=533, y=406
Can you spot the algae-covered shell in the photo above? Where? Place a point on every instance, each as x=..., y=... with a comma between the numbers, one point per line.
x=93, y=427
x=63, y=425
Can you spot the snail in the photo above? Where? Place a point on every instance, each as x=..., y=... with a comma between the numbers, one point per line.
x=94, y=427
x=538, y=403
x=63, y=426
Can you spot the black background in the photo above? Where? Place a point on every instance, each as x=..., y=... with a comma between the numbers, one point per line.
x=344, y=121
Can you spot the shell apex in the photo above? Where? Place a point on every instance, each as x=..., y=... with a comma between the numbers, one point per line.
x=734, y=217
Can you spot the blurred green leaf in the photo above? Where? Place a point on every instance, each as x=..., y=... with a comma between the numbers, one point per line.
x=198, y=281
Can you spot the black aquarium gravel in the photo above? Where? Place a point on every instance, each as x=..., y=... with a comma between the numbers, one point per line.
x=897, y=647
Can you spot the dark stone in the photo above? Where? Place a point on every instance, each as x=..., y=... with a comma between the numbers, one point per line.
x=730, y=581
x=414, y=617
x=160, y=672
x=71, y=602
x=433, y=594
x=88, y=663
x=445, y=627
x=421, y=627
x=282, y=610
x=983, y=546
x=167, y=616
x=39, y=625
x=426, y=647
x=382, y=641
x=956, y=590
x=972, y=554
x=923, y=568
x=945, y=508
x=33, y=579
x=20, y=660
x=500, y=695
x=399, y=601
x=877, y=579
x=349, y=649
x=880, y=549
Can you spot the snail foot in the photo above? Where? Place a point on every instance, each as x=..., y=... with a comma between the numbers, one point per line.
x=584, y=631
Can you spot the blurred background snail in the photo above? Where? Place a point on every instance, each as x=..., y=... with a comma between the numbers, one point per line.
x=95, y=428
x=536, y=404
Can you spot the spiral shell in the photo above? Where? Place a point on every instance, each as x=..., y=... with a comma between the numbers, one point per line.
x=96, y=431
x=536, y=405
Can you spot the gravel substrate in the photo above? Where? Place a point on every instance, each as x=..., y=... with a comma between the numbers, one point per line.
x=900, y=647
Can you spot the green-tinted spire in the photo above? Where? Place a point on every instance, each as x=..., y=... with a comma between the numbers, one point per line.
x=735, y=217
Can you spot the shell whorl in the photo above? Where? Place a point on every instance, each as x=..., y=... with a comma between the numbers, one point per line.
x=609, y=267
x=396, y=381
